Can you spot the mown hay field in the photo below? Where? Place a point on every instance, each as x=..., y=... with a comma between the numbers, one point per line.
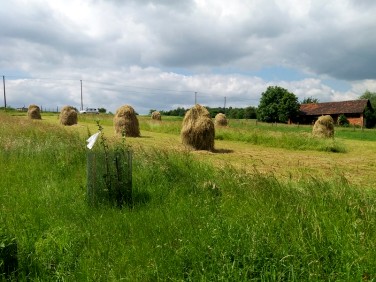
x=287, y=151
x=263, y=206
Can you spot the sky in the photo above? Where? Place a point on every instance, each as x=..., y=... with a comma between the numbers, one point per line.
x=164, y=54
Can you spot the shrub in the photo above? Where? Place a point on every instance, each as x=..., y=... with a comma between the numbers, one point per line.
x=8, y=255
x=109, y=173
x=343, y=121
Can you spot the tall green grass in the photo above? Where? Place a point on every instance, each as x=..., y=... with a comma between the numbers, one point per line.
x=287, y=140
x=170, y=126
x=292, y=138
x=189, y=220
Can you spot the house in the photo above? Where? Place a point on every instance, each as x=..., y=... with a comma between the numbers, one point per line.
x=22, y=109
x=353, y=110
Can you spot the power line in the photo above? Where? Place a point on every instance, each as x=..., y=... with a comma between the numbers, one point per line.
x=124, y=86
x=41, y=78
x=163, y=93
x=140, y=87
x=104, y=83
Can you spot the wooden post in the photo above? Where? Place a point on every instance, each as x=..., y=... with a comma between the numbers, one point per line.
x=5, y=97
x=82, y=103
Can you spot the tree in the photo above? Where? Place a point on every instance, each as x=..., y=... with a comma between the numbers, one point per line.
x=102, y=110
x=370, y=114
x=310, y=100
x=277, y=105
x=176, y=112
x=250, y=112
x=371, y=96
x=343, y=121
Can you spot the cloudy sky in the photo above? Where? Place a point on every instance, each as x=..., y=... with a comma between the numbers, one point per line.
x=161, y=54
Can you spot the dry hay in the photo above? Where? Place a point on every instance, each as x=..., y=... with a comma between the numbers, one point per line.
x=126, y=122
x=324, y=127
x=198, y=129
x=33, y=112
x=156, y=115
x=221, y=120
x=68, y=115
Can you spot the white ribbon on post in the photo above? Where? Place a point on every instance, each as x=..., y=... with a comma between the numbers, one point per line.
x=92, y=139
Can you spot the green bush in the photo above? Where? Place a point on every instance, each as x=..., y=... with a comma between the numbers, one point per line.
x=8, y=256
x=343, y=121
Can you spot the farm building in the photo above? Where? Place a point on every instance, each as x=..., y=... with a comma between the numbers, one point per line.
x=353, y=110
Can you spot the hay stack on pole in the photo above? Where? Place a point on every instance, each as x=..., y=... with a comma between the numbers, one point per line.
x=198, y=129
x=221, y=120
x=324, y=127
x=156, y=116
x=126, y=122
x=68, y=115
x=33, y=112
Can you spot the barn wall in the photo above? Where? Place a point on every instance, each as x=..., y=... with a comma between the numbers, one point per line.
x=356, y=120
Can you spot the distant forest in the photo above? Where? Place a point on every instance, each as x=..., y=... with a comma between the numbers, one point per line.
x=236, y=113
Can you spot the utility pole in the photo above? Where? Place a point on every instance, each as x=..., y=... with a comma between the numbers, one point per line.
x=5, y=97
x=225, y=105
x=82, y=103
x=195, y=98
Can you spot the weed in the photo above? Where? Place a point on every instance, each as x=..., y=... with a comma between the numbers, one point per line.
x=109, y=174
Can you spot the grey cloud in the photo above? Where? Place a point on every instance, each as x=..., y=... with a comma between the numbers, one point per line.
x=326, y=38
x=177, y=34
x=191, y=39
x=332, y=40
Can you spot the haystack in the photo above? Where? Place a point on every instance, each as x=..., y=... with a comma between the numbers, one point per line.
x=68, y=115
x=324, y=127
x=33, y=112
x=126, y=122
x=198, y=129
x=221, y=120
x=156, y=115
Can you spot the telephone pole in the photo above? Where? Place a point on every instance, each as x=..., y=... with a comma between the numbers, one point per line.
x=82, y=103
x=225, y=105
x=5, y=97
x=195, y=98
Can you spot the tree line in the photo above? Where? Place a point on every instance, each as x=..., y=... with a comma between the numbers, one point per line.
x=235, y=113
x=276, y=105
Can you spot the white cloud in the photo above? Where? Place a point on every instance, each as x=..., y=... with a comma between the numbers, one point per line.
x=156, y=54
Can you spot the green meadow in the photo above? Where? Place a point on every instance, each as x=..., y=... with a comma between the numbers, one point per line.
x=271, y=203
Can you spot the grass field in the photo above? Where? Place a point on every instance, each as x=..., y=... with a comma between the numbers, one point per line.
x=267, y=210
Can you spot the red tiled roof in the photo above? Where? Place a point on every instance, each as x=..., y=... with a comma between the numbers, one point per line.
x=330, y=108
